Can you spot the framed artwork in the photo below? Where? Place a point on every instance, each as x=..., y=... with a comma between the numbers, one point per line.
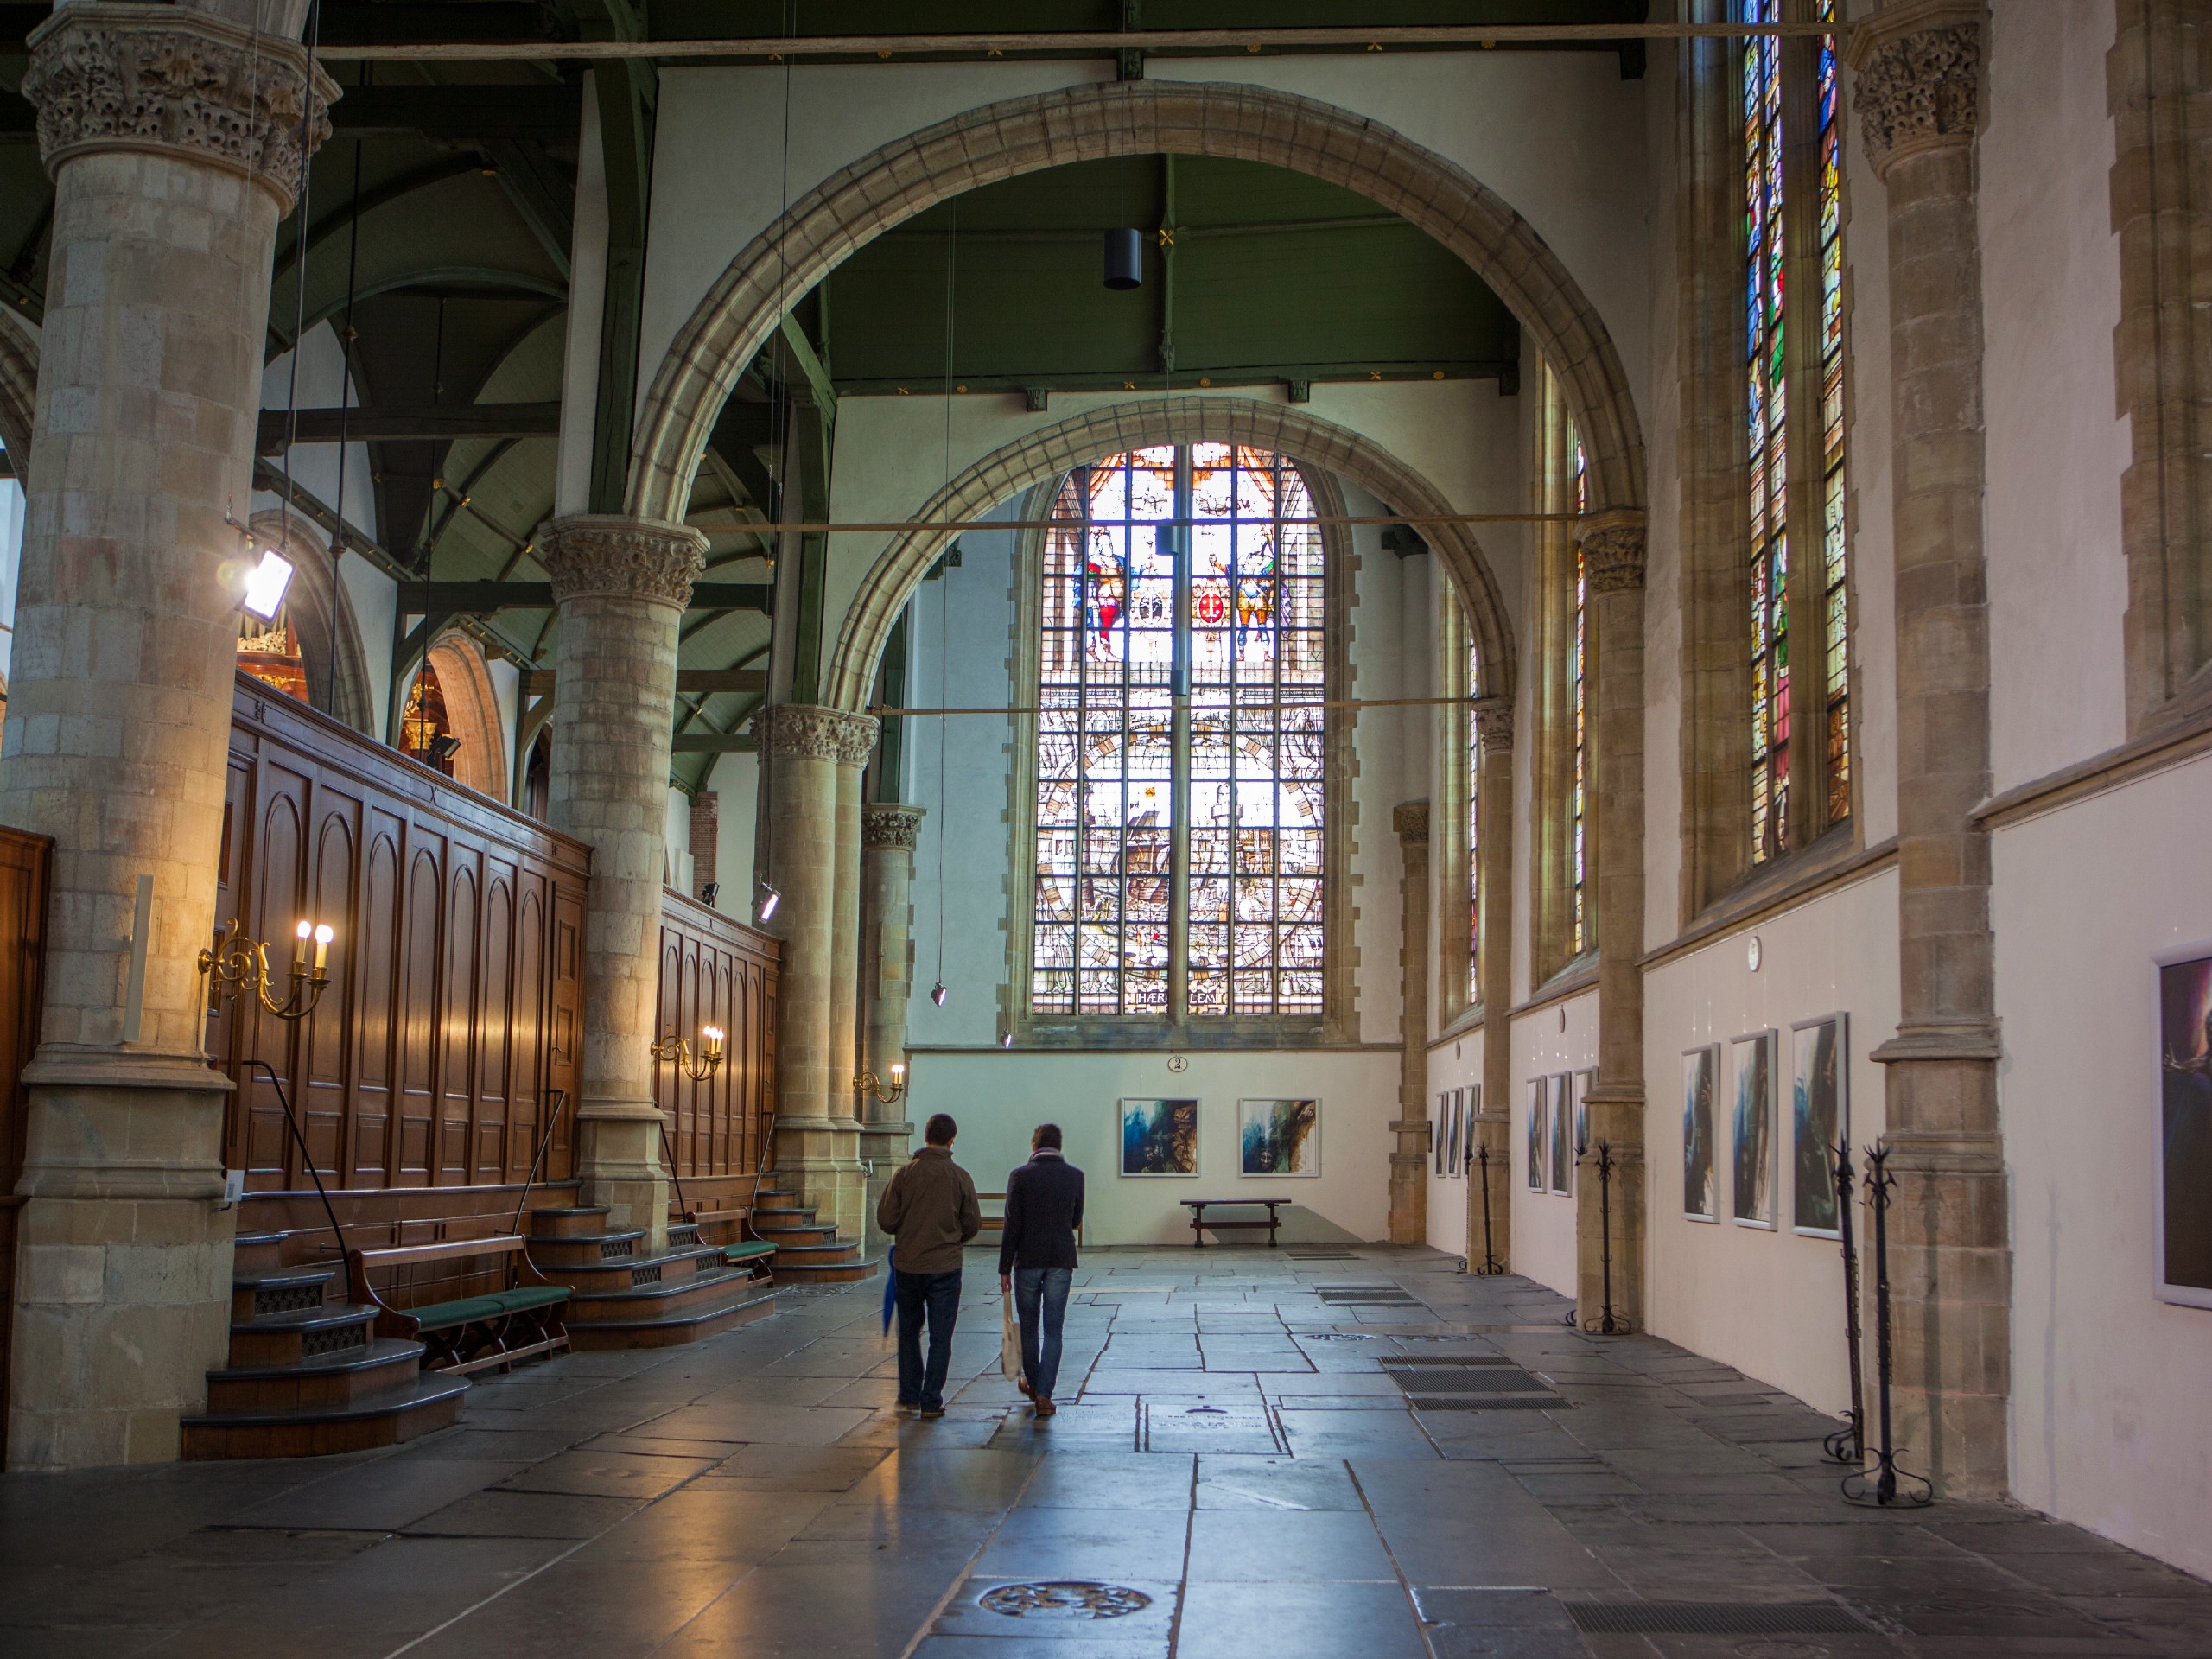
x=1439, y=1129
x=1539, y=1133
x=1474, y=1099
x=1752, y=1195
x=1700, y=1197
x=1562, y=1126
x=2185, y=1183
x=1279, y=1137
x=1160, y=1137
x=1820, y=1119
x=1458, y=1129
x=1584, y=1082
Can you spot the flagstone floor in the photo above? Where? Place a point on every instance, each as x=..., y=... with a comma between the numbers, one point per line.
x=1240, y=1476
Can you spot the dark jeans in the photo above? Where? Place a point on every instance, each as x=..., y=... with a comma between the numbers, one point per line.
x=1041, y=1292
x=937, y=1295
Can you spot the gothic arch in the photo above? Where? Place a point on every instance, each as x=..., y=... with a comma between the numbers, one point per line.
x=1050, y=451
x=19, y=342
x=1026, y=135
x=471, y=713
x=320, y=610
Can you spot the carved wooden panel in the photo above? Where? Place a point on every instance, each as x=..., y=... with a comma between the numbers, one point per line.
x=453, y=996
x=23, y=863
x=714, y=972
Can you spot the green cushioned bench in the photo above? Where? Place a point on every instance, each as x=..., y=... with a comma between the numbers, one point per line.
x=468, y=1333
x=752, y=1251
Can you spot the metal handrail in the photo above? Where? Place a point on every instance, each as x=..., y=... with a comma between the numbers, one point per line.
x=560, y=1105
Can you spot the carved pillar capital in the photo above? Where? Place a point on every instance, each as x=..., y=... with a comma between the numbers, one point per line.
x=856, y=739
x=1919, y=78
x=1410, y=820
x=181, y=82
x=1612, y=550
x=887, y=826
x=809, y=732
x=1494, y=722
x=606, y=555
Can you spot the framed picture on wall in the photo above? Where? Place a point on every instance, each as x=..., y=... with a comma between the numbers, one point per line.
x=1751, y=1190
x=1819, y=1120
x=1160, y=1137
x=1700, y=1197
x=1562, y=1128
x=1459, y=1130
x=1584, y=1082
x=1474, y=1111
x=1539, y=1134
x=1439, y=1129
x=2184, y=1189
x=1279, y=1137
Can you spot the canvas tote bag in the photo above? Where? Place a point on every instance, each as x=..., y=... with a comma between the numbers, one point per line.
x=1009, y=1339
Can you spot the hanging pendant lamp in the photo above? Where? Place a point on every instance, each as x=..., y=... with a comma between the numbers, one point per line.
x=1124, y=260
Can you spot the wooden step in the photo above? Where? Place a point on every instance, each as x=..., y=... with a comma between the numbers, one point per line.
x=305, y=1334
x=826, y=1272
x=772, y=1199
x=575, y=1221
x=634, y=1273
x=344, y=1378
x=799, y=1233
x=417, y=1406
x=671, y=1299
x=586, y=1250
x=257, y=1253
x=259, y=1292
x=745, y=1300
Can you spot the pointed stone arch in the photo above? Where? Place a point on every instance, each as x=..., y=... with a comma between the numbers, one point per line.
x=1090, y=122
x=1052, y=450
x=321, y=611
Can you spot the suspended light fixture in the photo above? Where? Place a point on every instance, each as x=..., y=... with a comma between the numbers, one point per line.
x=265, y=584
x=765, y=902
x=938, y=992
x=1124, y=260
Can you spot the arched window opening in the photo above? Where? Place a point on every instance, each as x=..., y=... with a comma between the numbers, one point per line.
x=425, y=730
x=1578, y=685
x=1181, y=791
x=270, y=652
x=538, y=777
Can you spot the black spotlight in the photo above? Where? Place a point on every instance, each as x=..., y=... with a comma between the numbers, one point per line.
x=1124, y=260
x=443, y=748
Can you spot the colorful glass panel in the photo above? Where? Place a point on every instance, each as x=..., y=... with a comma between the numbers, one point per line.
x=1836, y=568
x=1577, y=688
x=1767, y=403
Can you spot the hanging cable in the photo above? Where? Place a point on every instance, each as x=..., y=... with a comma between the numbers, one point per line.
x=300, y=264
x=346, y=337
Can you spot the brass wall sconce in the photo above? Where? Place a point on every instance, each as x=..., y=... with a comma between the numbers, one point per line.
x=678, y=1052
x=868, y=1083
x=237, y=964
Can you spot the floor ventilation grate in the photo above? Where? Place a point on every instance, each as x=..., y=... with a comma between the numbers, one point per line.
x=1714, y=1618
x=1364, y=1296
x=1487, y=1403
x=1475, y=1383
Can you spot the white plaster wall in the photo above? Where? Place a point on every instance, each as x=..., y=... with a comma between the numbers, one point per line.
x=11, y=561
x=736, y=779
x=676, y=828
x=2057, y=445
x=587, y=307
x=1454, y=1064
x=1769, y=1303
x=1390, y=657
x=2109, y=1422
x=375, y=598
x=1559, y=1037
x=315, y=466
x=998, y=1099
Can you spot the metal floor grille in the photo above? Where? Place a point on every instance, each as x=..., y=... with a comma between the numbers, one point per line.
x=1476, y=1383
x=1486, y=1403
x=1364, y=1296
x=1714, y=1618
x=1503, y=1379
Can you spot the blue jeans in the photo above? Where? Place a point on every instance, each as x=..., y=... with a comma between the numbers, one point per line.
x=937, y=1295
x=1041, y=1292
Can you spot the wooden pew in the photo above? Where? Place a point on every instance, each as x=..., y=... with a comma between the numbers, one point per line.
x=470, y=1333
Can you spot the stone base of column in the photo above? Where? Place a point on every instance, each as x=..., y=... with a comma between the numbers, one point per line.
x=819, y=1159
x=123, y=1267
x=1497, y=1135
x=1608, y=1217
x=884, y=1148
x=619, y=1158
x=1409, y=1182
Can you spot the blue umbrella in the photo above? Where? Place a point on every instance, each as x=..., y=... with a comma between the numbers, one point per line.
x=890, y=1294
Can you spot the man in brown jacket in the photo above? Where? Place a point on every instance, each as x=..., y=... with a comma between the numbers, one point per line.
x=929, y=1208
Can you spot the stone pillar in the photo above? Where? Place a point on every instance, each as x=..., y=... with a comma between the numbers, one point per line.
x=1612, y=566
x=857, y=741
x=1917, y=99
x=619, y=588
x=1410, y=1162
x=818, y=1151
x=888, y=834
x=1494, y=1123
x=706, y=843
x=174, y=138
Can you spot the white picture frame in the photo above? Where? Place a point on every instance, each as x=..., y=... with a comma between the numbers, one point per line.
x=1754, y=1160
x=1819, y=1120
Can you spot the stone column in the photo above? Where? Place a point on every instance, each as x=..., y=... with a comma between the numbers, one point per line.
x=1917, y=99
x=706, y=843
x=1494, y=1123
x=1410, y=1162
x=174, y=138
x=1612, y=567
x=619, y=588
x=818, y=1151
x=856, y=743
x=888, y=834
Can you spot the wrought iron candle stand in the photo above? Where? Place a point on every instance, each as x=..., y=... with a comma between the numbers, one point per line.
x=1608, y=1323
x=1847, y=1445
x=674, y=1051
x=1882, y=1486
x=1492, y=1266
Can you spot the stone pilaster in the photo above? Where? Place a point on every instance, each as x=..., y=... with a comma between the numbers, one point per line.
x=619, y=588
x=818, y=1152
x=174, y=139
x=1917, y=97
x=1409, y=1161
x=706, y=843
x=857, y=741
x=1494, y=1123
x=1612, y=564
x=888, y=836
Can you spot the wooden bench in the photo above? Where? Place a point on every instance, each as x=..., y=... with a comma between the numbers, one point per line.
x=751, y=1250
x=469, y=1333
x=1197, y=1207
x=997, y=1223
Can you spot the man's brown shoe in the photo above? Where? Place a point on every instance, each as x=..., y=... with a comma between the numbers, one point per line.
x=1022, y=1383
x=1045, y=1408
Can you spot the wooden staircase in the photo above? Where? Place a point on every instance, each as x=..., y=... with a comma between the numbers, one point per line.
x=807, y=1252
x=623, y=1299
x=306, y=1374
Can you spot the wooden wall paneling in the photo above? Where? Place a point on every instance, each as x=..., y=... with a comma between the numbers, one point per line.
x=713, y=971
x=24, y=860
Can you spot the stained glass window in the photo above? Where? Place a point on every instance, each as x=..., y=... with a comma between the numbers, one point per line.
x=1473, y=688
x=1835, y=570
x=1131, y=800
x=1577, y=816
x=1765, y=245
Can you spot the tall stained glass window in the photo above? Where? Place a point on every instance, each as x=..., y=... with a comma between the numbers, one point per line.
x=1578, y=691
x=1835, y=568
x=1180, y=732
x=1765, y=251
x=1474, y=670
